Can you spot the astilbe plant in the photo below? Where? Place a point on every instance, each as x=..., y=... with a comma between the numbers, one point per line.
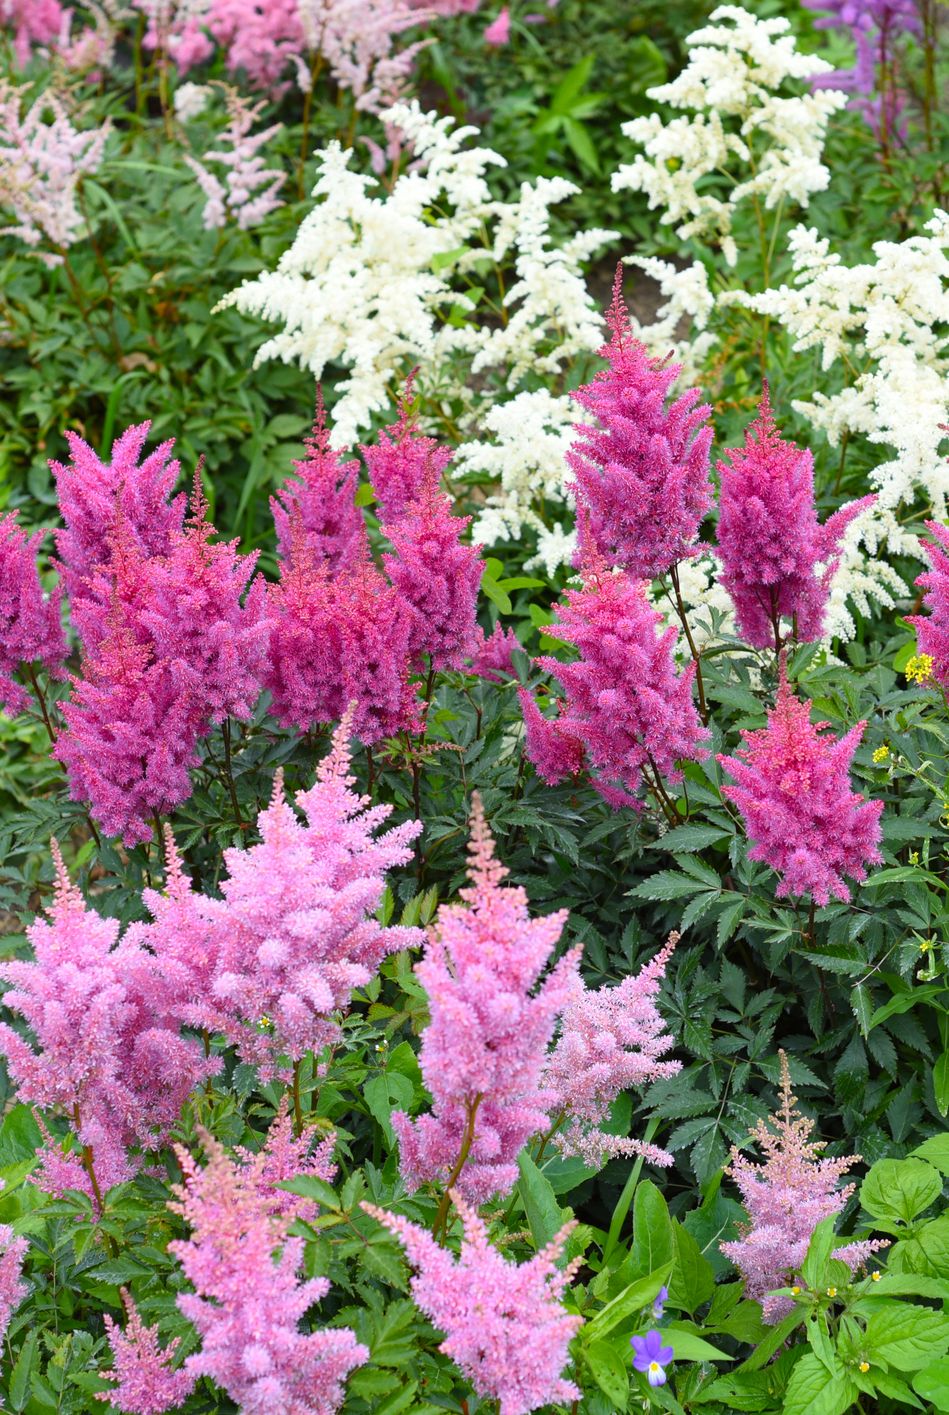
x=792, y=787
x=505, y=1325
x=483, y=1051
x=286, y=1155
x=626, y=715
x=30, y=626
x=875, y=26
x=32, y=22
x=108, y=1057
x=248, y=1297
x=492, y=657
x=317, y=509
x=297, y=932
x=611, y=1038
x=932, y=630
x=403, y=459
x=246, y=190
x=147, y=1384
x=641, y=470
x=786, y=1198
x=777, y=560
x=12, y=1287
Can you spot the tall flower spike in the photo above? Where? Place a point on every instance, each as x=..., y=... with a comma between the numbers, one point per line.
x=624, y=704
x=403, y=460
x=641, y=471
x=323, y=497
x=249, y=1298
x=610, y=1039
x=777, y=560
x=505, y=1326
x=147, y=1385
x=792, y=787
x=30, y=627
x=786, y=1198
x=297, y=924
x=483, y=1052
x=932, y=630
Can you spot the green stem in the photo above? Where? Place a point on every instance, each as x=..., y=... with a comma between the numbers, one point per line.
x=34, y=683
x=440, y=1226
x=626, y=1198
x=297, y=1100
x=696, y=655
x=226, y=733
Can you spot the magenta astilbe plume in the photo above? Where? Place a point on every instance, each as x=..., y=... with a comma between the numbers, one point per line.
x=792, y=787
x=932, y=630
x=610, y=1038
x=641, y=470
x=304, y=673
x=556, y=751
x=12, y=1287
x=437, y=577
x=505, y=1325
x=30, y=627
x=32, y=22
x=315, y=513
x=492, y=656
x=623, y=699
x=376, y=628
x=249, y=1298
x=483, y=1052
x=93, y=493
x=777, y=560
x=403, y=461
x=147, y=1384
x=297, y=918
x=876, y=26
x=786, y=1198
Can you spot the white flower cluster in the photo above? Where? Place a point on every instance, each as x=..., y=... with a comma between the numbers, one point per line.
x=738, y=120
x=372, y=276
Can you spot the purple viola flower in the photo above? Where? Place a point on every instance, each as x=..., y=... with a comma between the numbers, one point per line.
x=659, y=1304
x=651, y=1356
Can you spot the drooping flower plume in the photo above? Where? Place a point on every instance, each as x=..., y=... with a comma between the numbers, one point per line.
x=30, y=627
x=483, y=1052
x=792, y=787
x=504, y=1323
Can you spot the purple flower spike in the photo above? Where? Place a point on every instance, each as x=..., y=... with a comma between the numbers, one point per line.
x=651, y=1356
x=659, y=1305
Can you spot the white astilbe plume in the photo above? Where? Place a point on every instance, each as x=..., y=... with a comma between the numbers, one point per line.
x=247, y=190
x=41, y=163
x=766, y=143
x=368, y=281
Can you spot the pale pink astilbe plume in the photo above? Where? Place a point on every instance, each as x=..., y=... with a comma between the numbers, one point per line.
x=505, y=1324
x=12, y=1287
x=641, y=471
x=42, y=160
x=624, y=702
x=437, y=577
x=492, y=1019
x=30, y=628
x=105, y=1057
x=498, y=32
x=93, y=493
x=403, y=460
x=932, y=630
x=777, y=560
x=610, y=1038
x=32, y=22
x=297, y=918
x=792, y=787
x=246, y=191
x=357, y=38
x=492, y=656
x=786, y=1198
x=317, y=507
x=249, y=1299
x=147, y=1384
x=288, y=1156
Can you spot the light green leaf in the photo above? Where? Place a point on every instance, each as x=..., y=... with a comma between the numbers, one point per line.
x=906, y=1336
x=609, y=1372
x=813, y=1390
x=900, y=1189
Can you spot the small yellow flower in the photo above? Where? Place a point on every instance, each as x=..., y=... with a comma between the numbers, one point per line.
x=920, y=668
x=925, y=945
x=795, y=1292
x=864, y=1367
x=265, y=1022
x=875, y=1277
x=881, y=754
x=831, y=1292
x=914, y=857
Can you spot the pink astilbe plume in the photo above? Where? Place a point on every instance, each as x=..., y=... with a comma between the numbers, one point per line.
x=484, y=1049
x=243, y=189
x=777, y=560
x=105, y=1055
x=147, y=1384
x=610, y=1038
x=641, y=471
x=30, y=627
x=297, y=918
x=304, y=673
x=436, y=576
x=285, y=1156
x=315, y=512
x=32, y=22
x=554, y=748
x=786, y=1198
x=492, y=655
x=932, y=630
x=12, y=1287
x=249, y=1299
x=792, y=787
x=505, y=1325
x=403, y=460
x=624, y=703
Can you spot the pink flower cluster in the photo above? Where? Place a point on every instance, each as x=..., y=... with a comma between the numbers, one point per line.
x=777, y=560
x=146, y=1382
x=32, y=22
x=626, y=716
x=245, y=190
x=932, y=631
x=12, y=1287
x=786, y=1198
x=505, y=1325
x=318, y=506
x=792, y=787
x=249, y=1299
x=30, y=627
x=610, y=1039
x=483, y=1052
